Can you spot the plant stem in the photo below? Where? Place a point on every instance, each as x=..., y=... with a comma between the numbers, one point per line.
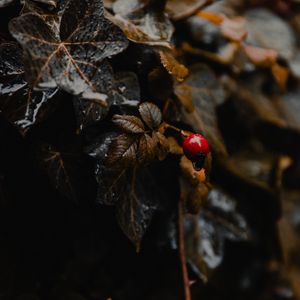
x=186, y=283
x=183, y=133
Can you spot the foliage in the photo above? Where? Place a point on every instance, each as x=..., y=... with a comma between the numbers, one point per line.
x=96, y=97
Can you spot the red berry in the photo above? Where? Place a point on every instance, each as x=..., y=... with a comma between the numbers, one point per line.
x=195, y=146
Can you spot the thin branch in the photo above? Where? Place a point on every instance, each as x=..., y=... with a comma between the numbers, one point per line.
x=186, y=283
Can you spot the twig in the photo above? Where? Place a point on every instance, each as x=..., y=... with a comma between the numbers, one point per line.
x=186, y=283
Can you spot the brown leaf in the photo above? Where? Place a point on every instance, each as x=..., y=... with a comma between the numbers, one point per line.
x=261, y=56
x=184, y=94
x=147, y=148
x=162, y=145
x=123, y=150
x=280, y=74
x=234, y=29
x=130, y=124
x=150, y=114
x=174, y=147
x=143, y=22
x=173, y=67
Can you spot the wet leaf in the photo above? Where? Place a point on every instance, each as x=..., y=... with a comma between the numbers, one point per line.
x=150, y=114
x=110, y=180
x=63, y=169
x=206, y=233
x=111, y=184
x=91, y=109
x=21, y=105
x=72, y=60
x=130, y=124
x=10, y=60
x=136, y=209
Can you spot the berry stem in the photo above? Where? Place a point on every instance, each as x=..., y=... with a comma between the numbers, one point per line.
x=181, y=247
x=183, y=133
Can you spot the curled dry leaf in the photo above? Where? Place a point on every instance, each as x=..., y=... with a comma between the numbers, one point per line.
x=178, y=70
x=71, y=61
x=195, y=185
x=143, y=22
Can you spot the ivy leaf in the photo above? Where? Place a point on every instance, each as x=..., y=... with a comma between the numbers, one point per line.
x=63, y=169
x=136, y=209
x=70, y=61
x=19, y=104
x=89, y=111
x=150, y=114
x=130, y=124
x=205, y=234
x=110, y=181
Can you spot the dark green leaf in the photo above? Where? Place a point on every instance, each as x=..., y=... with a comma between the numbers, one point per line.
x=71, y=60
x=140, y=200
x=63, y=169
